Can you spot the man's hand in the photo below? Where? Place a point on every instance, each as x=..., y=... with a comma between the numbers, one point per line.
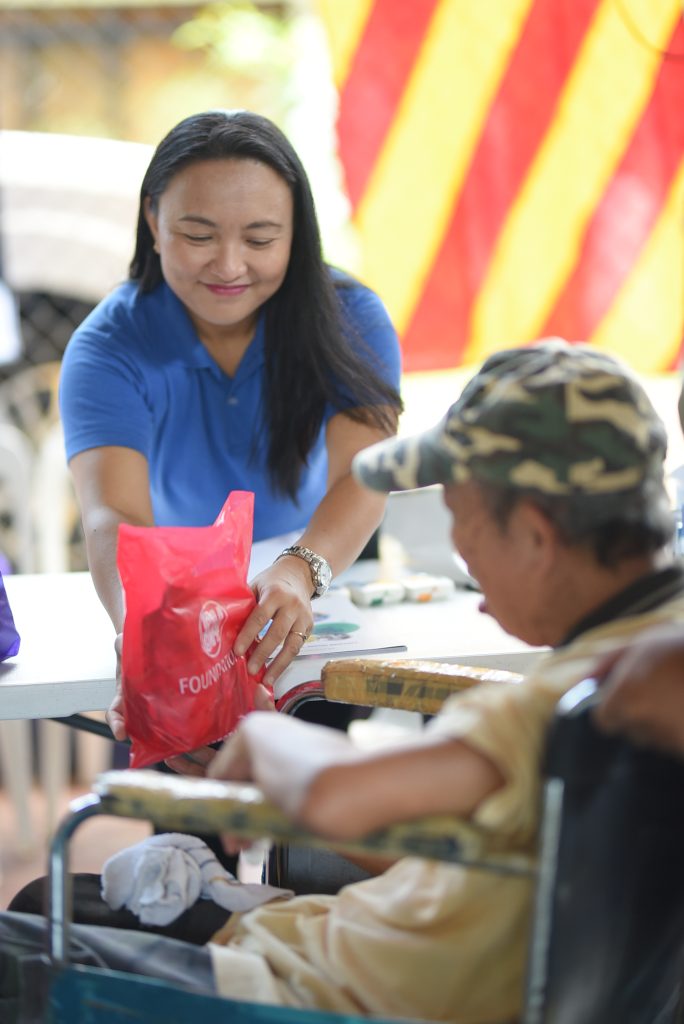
x=196, y=762
x=282, y=754
x=643, y=693
x=283, y=593
x=115, y=714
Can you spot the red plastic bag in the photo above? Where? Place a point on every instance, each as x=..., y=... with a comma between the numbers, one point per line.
x=187, y=598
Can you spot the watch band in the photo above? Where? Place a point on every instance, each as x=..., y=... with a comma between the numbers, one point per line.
x=321, y=573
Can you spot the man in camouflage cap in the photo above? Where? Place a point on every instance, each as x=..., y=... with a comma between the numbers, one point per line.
x=552, y=465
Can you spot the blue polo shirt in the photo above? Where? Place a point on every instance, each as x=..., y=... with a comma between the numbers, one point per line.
x=136, y=375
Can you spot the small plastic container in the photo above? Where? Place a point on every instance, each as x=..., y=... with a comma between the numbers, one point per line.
x=379, y=592
x=424, y=587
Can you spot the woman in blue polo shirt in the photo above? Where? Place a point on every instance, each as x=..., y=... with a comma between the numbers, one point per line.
x=233, y=358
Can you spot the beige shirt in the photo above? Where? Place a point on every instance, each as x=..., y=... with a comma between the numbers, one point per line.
x=425, y=939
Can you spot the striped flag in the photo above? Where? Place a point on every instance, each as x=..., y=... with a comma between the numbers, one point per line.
x=516, y=169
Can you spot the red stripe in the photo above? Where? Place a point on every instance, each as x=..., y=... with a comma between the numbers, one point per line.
x=370, y=96
x=629, y=209
x=516, y=124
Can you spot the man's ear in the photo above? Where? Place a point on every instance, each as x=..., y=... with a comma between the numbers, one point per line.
x=535, y=534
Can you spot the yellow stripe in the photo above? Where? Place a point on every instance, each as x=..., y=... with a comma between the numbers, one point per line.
x=601, y=105
x=344, y=21
x=404, y=212
x=645, y=324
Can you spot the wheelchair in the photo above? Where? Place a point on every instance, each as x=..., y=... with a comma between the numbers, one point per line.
x=608, y=922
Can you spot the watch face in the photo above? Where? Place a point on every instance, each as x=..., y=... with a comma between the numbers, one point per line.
x=323, y=575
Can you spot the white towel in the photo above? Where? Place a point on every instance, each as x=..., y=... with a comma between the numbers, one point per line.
x=163, y=875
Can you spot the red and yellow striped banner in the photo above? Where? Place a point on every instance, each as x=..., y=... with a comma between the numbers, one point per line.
x=516, y=169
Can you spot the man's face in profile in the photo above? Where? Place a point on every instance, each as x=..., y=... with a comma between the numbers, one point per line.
x=497, y=557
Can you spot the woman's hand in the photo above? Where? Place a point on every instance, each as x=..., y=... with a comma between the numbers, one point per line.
x=283, y=592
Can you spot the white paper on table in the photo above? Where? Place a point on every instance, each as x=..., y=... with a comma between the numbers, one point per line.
x=340, y=628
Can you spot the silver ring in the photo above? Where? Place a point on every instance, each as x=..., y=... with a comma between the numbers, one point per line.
x=304, y=636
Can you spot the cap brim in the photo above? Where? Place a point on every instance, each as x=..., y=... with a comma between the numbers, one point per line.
x=402, y=464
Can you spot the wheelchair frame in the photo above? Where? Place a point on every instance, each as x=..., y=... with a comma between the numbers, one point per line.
x=597, y=789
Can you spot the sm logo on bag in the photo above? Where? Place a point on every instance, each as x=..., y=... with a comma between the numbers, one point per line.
x=211, y=618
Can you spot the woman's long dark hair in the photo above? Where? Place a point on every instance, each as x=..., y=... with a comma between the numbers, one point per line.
x=310, y=357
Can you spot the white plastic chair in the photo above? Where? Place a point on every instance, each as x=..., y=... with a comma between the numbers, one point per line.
x=16, y=541
x=56, y=518
x=28, y=404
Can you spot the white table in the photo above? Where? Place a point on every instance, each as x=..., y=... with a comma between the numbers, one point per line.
x=66, y=663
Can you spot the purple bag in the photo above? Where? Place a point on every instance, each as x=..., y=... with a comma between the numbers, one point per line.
x=9, y=638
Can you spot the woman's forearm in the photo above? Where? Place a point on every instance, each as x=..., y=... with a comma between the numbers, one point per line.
x=348, y=514
x=112, y=487
x=343, y=523
x=101, y=537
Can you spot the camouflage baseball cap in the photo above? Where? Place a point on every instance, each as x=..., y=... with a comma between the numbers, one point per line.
x=555, y=419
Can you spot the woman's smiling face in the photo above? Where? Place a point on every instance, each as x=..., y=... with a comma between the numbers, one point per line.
x=223, y=231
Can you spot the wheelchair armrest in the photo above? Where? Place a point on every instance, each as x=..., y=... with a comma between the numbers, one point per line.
x=207, y=805
x=409, y=685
